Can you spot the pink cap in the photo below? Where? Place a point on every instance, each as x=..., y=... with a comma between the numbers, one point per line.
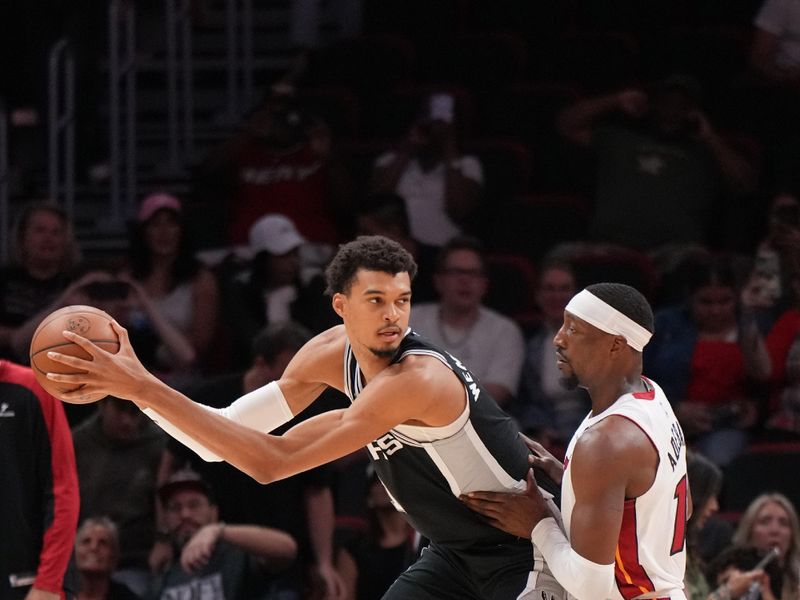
x=155, y=202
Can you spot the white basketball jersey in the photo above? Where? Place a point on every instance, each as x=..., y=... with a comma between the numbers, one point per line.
x=651, y=550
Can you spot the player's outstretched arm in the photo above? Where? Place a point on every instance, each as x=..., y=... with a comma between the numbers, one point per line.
x=384, y=404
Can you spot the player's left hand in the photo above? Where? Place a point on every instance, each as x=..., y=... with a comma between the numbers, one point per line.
x=514, y=513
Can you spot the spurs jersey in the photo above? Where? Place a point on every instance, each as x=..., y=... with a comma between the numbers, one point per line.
x=425, y=469
x=651, y=550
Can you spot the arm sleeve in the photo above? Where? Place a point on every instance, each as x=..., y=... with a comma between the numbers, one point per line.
x=264, y=409
x=582, y=578
x=61, y=499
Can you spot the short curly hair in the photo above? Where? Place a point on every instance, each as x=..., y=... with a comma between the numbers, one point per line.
x=627, y=300
x=371, y=252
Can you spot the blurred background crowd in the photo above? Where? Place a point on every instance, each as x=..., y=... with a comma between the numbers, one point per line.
x=518, y=150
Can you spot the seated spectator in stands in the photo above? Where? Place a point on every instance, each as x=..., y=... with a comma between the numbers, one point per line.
x=281, y=162
x=660, y=164
x=385, y=214
x=301, y=505
x=768, y=289
x=770, y=521
x=735, y=573
x=118, y=451
x=96, y=556
x=775, y=51
x=45, y=255
x=175, y=298
x=441, y=187
x=708, y=357
x=490, y=344
x=370, y=562
x=705, y=483
x=212, y=558
x=545, y=409
x=273, y=287
x=783, y=344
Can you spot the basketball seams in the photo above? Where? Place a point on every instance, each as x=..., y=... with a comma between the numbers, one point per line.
x=77, y=308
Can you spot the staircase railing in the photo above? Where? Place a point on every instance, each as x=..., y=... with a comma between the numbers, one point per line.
x=122, y=103
x=5, y=225
x=180, y=89
x=239, y=57
x=61, y=126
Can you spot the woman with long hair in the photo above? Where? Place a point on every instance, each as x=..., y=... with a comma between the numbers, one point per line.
x=770, y=521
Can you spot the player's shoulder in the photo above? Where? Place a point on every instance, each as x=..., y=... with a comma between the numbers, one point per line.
x=615, y=434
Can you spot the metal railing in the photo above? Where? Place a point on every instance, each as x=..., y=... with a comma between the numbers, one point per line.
x=5, y=225
x=239, y=61
x=61, y=126
x=180, y=89
x=122, y=101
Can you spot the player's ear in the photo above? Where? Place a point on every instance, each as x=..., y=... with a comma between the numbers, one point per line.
x=619, y=344
x=338, y=302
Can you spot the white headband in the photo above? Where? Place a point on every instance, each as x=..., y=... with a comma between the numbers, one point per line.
x=594, y=311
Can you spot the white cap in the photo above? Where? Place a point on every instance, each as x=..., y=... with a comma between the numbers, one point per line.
x=275, y=234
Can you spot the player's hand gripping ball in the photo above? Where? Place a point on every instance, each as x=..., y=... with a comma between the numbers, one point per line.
x=87, y=321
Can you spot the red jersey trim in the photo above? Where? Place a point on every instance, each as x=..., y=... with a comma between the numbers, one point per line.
x=650, y=395
x=632, y=580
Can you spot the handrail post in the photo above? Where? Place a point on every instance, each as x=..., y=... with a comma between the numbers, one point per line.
x=61, y=126
x=5, y=225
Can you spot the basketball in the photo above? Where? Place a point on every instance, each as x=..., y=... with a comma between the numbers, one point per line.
x=87, y=321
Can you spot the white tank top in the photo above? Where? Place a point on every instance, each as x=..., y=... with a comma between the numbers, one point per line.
x=651, y=550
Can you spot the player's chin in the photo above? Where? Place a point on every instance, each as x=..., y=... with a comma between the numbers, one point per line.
x=385, y=350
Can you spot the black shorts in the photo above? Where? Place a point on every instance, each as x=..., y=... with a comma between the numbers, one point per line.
x=502, y=572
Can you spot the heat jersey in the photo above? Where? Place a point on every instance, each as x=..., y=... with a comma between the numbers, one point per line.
x=651, y=550
x=425, y=469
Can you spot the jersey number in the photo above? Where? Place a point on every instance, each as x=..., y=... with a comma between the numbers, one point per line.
x=679, y=534
x=383, y=447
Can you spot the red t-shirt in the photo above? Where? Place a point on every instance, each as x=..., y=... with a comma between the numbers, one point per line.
x=717, y=373
x=291, y=183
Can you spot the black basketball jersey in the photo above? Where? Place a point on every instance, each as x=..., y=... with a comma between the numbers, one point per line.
x=425, y=469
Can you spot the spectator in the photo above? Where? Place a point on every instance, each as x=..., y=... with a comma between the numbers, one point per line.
x=545, y=409
x=385, y=214
x=118, y=452
x=705, y=483
x=281, y=162
x=735, y=573
x=96, y=556
x=369, y=563
x=662, y=163
x=301, y=505
x=775, y=51
x=39, y=500
x=770, y=521
x=708, y=358
x=215, y=559
x=491, y=345
x=176, y=299
x=273, y=287
x=441, y=187
x=783, y=344
x=45, y=254
x=767, y=290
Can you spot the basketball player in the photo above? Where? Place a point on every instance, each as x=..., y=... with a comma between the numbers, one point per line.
x=432, y=431
x=624, y=493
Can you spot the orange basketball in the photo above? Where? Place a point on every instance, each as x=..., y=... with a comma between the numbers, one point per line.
x=87, y=321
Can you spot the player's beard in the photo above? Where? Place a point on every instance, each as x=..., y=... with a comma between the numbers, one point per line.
x=569, y=382
x=384, y=352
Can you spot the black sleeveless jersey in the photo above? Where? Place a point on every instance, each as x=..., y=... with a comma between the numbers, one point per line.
x=425, y=469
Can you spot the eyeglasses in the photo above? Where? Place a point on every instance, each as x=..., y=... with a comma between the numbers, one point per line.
x=456, y=271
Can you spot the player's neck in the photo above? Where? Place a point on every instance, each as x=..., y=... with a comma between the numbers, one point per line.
x=607, y=393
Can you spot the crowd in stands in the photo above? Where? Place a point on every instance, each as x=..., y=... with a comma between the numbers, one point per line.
x=517, y=164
